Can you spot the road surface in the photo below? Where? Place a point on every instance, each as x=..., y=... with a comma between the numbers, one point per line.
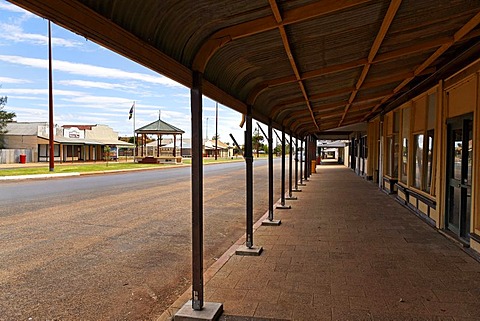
x=117, y=246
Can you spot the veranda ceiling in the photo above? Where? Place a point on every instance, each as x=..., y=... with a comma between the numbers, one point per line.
x=307, y=65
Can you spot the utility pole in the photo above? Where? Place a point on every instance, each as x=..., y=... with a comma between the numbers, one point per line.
x=51, y=133
x=216, y=130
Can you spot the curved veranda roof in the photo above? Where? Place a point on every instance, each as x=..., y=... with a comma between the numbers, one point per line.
x=307, y=65
x=159, y=127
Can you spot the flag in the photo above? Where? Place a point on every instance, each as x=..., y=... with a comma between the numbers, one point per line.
x=130, y=113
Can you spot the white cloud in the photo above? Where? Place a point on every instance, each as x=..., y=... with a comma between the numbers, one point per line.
x=89, y=70
x=184, y=95
x=8, y=80
x=93, y=84
x=98, y=100
x=14, y=33
x=12, y=8
x=11, y=97
x=29, y=114
x=38, y=92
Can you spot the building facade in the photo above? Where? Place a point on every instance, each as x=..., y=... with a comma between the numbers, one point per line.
x=71, y=142
x=426, y=152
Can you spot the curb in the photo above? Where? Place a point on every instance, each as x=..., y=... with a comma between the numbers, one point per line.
x=113, y=171
x=37, y=176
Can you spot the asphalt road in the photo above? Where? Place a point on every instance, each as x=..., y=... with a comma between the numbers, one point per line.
x=116, y=246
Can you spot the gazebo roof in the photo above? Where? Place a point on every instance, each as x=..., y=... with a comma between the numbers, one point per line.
x=159, y=127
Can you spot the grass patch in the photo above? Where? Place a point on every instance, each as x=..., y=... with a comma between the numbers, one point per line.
x=99, y=167
x=80, y=168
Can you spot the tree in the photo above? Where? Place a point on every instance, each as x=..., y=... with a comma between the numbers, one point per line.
x=216, y=136
x=5, y=117
x=257, y=140
x=106, y=150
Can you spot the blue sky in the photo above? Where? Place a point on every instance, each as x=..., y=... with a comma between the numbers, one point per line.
x=92, y=85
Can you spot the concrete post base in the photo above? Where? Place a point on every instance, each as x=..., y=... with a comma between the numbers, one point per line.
x=271, y=223
x=283, y=207
x=296, y=190
x=291, y=198
x=211, y=311
x=245, y=251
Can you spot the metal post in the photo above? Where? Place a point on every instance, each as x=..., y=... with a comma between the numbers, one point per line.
x=301, y=159
x=197, y=192
x=296, y=163
x=307, y=156
x=249, y=179
x=306, y=159
x=216, y=130
x=270, y=171
x=283, y=167
x=282, y=197
x=290, y=169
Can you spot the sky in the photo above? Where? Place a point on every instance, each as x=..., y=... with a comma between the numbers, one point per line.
x=91, y=84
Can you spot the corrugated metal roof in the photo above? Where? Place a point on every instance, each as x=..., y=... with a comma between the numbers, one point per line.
x=251, y=54
x=24, y=129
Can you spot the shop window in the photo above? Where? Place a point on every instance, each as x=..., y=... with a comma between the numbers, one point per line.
x=423, y=142
x=44, y=150
x=423, y=161
x=388, y=158
x=404, y=163
x=418, y=154
x=405, y=135
x=429, y=162
x=392, y=156
x=392, y=144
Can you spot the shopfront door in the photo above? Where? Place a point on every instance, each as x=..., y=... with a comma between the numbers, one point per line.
x=459, y=176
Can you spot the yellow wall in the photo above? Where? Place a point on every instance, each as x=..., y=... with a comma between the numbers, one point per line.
x=455, y=96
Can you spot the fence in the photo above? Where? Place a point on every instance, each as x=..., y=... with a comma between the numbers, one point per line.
x=10, y=156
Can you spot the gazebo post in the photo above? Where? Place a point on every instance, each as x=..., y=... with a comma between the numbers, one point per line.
x=159, y=138
x=174, y=145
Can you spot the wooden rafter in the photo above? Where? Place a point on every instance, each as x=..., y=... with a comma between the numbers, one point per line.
x=224, y=36
x=380, y=81
x=386, y=56
x=291, y=58
x=459, y=35
x=337, y=107
x=387, y=21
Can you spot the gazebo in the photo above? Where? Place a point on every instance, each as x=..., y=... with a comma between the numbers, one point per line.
x=158, y=128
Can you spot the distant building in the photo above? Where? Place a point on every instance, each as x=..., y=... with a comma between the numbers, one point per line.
x=71, y=142
x=223, y=150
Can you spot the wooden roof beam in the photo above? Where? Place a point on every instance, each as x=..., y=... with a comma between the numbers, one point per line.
x=224, y=36
x=293, y=63
x=276, y=109
x=387, y=21
x=459, y=35
x=417, y=48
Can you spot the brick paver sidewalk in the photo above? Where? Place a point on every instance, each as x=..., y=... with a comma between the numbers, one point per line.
x=347, y=251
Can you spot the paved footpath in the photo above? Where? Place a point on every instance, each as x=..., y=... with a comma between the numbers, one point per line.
x=347, y=251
